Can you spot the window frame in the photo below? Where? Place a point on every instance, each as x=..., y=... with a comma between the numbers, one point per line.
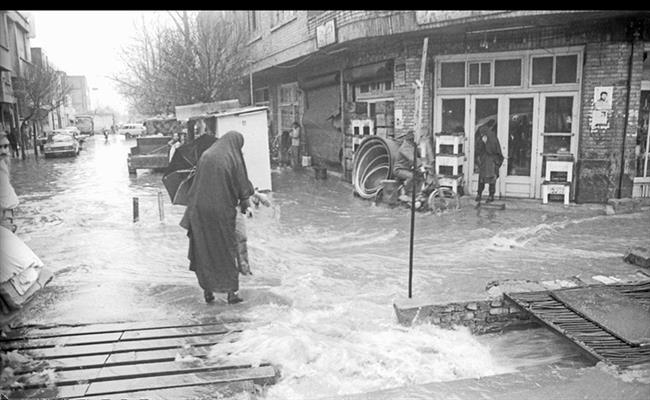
x=280, y=18
x=268, y=96
x=554, y=70
x=4, y=32
x=480, y=74
x=525, y=57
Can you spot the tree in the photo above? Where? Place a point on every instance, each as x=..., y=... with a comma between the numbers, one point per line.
x=40, y=91
x=196, y=57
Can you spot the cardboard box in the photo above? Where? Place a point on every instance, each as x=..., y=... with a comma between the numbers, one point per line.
x=380, y=120
x=382, y=132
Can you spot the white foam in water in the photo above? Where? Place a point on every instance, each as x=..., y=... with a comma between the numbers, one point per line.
x=353, y=348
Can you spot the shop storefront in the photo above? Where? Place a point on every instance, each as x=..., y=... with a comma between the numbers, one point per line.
x=642, y=149
x=532, y=98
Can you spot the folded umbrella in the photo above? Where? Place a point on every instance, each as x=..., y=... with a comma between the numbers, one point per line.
x=179, y=174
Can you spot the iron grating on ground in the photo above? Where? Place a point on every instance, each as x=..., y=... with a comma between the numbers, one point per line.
x=125, y=359
x=594, y=338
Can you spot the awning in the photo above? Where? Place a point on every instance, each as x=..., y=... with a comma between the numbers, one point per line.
x=370, y=72
x=315, y=82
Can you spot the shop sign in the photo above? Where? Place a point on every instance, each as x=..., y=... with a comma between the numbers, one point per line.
x=326, y=34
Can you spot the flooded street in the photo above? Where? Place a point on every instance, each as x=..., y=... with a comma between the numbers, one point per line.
x=326, y=265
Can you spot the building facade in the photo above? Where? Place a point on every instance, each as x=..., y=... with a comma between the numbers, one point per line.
x=79, y=93
x=60, y=116
x=556, y=83
x=15, y=59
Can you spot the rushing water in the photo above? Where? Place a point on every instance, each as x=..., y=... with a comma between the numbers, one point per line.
x=327, y=268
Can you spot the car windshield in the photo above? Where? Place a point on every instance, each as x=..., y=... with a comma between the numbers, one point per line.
x=61, y=137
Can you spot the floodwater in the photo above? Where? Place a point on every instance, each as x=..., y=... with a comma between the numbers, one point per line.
x=327, y=268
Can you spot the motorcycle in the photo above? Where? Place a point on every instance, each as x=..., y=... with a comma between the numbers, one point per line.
x=430, y=196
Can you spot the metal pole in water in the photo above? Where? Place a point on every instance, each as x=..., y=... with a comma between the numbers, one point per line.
x=161, y=210
x=136, y=211
x=419, y=96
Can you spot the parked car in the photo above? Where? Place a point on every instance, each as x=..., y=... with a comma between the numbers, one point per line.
x=132, y=130
x=61, y=143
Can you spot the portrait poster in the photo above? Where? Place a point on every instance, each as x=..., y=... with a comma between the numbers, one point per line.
x=603, y=97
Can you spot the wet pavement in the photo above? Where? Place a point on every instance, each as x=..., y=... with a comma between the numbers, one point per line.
x=327, y=267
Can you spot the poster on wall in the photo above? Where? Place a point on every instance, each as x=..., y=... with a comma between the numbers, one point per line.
x=399, y=121
x=603, y=97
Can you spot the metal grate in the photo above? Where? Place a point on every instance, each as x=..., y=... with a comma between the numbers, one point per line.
x=591, y=339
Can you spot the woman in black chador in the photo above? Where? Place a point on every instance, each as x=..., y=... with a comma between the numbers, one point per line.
x=490, y=158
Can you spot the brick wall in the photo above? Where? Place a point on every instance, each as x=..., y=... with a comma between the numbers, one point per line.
x=599, y=159
x=605, y=63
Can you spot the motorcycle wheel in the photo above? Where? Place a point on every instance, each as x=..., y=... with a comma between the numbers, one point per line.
x=443, y=199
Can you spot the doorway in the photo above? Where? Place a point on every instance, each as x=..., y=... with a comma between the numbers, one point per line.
x=513, y=118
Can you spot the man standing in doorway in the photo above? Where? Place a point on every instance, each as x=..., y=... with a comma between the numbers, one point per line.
x=295, y=146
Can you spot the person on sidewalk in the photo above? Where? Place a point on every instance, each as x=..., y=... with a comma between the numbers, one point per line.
x=295, y=146
x=220, y=185
x=490, y=158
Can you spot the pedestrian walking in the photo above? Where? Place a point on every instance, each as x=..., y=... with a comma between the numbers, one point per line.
x=220, y=186
x=489, y=157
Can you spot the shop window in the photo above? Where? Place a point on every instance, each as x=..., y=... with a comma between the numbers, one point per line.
x=558, y=115
x=373, y=89
x=261, y=96
x=287, y=94
x=479, y=73
x=555, y=70
x=453, y=115
x=507, y=72
x=566, y=68
x=452, y=74
x=542, y=70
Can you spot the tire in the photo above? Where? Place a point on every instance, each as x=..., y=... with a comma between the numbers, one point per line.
x=443, y=199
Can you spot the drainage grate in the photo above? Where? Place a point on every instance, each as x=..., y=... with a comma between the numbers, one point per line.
x=591, y=339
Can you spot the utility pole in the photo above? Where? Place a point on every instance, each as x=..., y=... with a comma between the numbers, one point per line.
x=419, y=94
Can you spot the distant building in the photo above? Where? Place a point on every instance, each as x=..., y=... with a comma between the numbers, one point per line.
x=79, y=94
x=59, y=117
x=534, y=72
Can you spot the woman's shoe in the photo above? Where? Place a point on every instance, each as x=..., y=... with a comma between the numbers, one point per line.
x=233, y=298
x=208, y=296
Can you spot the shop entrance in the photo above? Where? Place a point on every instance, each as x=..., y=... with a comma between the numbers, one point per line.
x=513, y=118
x=529, y=126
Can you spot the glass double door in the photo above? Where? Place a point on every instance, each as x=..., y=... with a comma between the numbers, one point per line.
x=514, y=120
x=529, y=126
